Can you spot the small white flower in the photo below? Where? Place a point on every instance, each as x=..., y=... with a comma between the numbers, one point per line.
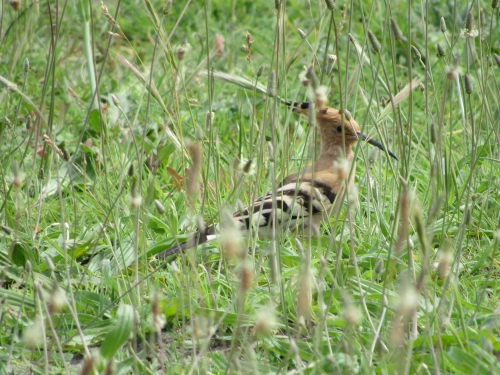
x=265, y=321
x=135, y=202
x=321, y=95
x=302, y=76
x=34, y=334
x=408, y=300
x=353, y=195
x=470, y=33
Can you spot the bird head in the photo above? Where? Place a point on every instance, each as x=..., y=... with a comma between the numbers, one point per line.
x=335, y=128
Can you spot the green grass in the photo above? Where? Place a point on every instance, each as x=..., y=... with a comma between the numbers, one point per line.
x=405, y=281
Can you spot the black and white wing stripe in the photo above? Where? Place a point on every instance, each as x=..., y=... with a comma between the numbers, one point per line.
x=298, y=205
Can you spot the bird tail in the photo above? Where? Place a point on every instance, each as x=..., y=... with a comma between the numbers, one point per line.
x=198, y=238
x=302, y=107
x=177, y=249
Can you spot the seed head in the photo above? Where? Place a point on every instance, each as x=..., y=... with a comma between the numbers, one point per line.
x=311, y=76
x=301, y=33
x=57, y=300
x=200, y=225
x=193, y=174
x=159, y=207
x=330, y=5
x=470, y=28
x=445, y=261
x=115, y=100
x=373, y=155
x=18, y=177
x=166, y=8
x=317, y=195
x=50, y=265
x=416, y=53
x=247, y=167
x=135, y=199
x=15, y=4
x=442, y=24
x=469, y=21
x=181, y=52
x=51, y=144
x=33, y=335
x=440, y=50
x=468, y=84
x=270, y=151
x=247, y=47
x=374, y=42
x=130, y=171
x=304, y=296
x=329, y=63
x=26, y=65
x=260, y=70
x=208, y=120
x=352, y=315
x=157, y=318
x=246, y=275
x=303, y=77
x=353, y=196
x=411, y=245
x=433, y=133
x=230, y=236
x=105, y=12
x=265, y=322
x=494, y=4
x=219, y=44
x=452, y=73
x=271, y=85
x=396, y=31
x=320, y=95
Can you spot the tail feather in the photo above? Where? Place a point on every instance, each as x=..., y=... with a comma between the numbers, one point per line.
x=197, y=239
x=177, y=249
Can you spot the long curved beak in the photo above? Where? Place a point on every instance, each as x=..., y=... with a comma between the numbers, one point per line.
x=375, y=143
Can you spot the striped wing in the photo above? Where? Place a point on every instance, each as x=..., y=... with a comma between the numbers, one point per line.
x=298, y=205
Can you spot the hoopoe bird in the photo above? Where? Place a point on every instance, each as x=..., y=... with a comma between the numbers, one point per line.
x=304, y=199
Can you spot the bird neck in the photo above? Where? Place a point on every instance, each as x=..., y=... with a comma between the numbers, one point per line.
x=334, y=151
x=329, y=155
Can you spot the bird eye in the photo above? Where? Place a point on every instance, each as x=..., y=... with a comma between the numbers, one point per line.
x=339, y=129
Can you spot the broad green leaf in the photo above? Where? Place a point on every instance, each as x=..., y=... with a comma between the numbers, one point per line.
x=124, y=324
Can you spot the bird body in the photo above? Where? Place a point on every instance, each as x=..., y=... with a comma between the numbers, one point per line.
x=304, y=199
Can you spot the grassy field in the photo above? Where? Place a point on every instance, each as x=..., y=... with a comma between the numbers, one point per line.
x=124, y=125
